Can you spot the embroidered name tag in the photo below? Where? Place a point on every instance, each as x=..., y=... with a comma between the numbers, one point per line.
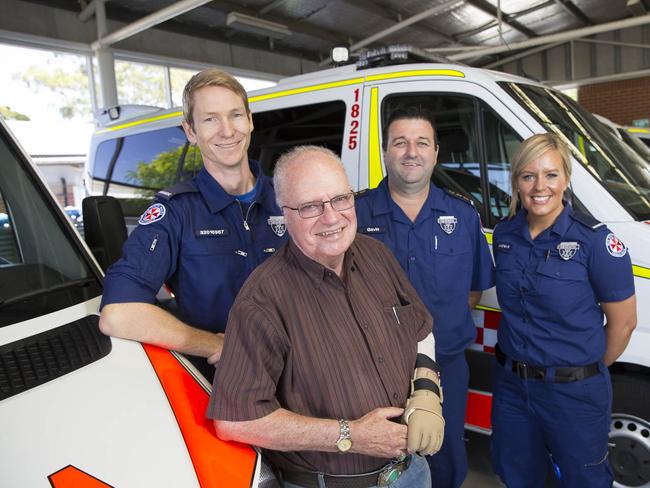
x=504, y=246
x=373, y=230
x=211, y=232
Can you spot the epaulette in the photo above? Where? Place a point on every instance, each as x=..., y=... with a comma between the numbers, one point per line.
x=186, y=186
x=361, y=193
x=460, y=197
x=586, y=220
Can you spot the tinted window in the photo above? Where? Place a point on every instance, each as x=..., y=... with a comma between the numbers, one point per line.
x=277, y=131
x=149, y=160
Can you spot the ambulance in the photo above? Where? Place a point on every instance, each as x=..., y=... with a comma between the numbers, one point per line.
x=481, y=118
x=77, y=408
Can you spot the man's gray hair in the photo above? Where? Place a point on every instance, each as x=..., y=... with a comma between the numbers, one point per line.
x=299, y=155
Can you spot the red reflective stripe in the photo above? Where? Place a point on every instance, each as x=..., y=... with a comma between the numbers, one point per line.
x=73, y=477
x=479, y=408
x=217, y=463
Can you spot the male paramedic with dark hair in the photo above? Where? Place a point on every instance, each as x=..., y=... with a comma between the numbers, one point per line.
x=202, y=238
x=437, y=238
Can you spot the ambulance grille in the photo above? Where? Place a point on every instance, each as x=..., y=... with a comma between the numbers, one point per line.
x=30, y=362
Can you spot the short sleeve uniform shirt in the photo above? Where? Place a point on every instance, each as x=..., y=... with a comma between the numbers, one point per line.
x=202, y=243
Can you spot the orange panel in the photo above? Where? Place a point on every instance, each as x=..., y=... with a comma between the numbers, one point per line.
x=217, y=463
x=72, y=477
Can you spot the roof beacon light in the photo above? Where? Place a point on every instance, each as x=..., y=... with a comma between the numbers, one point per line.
x=340, y=54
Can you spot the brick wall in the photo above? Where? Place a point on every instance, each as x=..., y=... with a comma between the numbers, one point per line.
x=620, y=101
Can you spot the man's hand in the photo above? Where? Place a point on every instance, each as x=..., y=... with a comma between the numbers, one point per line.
x=426, y=426
x=375, y=435
x=214, y=358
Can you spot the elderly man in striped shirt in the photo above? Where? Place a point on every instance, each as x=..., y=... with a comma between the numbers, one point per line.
x=328, y=363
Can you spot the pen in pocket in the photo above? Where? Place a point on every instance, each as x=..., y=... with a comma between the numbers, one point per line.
x=396, y=317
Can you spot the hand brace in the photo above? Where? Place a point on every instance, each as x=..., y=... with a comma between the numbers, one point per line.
x=423, y=411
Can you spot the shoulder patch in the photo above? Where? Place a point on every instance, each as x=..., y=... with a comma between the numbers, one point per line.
x=187, y=186
x=153, y=214
x=454, y=194
x=615, y=246
x=586, y=220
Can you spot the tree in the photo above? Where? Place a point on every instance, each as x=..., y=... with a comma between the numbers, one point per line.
x=8, y=114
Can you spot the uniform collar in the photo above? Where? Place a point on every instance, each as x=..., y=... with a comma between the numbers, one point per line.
x=383, y=203
x=316, y=271
x=217, y=198
x=559, y=227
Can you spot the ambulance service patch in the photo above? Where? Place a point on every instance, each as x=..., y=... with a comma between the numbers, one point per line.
x=153, y=214
x=276, y=222
x=614, y=246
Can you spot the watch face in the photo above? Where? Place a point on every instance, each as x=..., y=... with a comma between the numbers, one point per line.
x=344, y=445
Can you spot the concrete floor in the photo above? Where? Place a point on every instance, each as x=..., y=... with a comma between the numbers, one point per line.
x=480, y=469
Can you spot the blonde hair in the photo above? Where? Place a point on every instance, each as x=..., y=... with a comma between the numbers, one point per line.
x=210, y=77
x=529, y=150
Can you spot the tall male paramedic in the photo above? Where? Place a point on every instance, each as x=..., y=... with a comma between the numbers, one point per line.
x=322, y=343
x=201, y=237
x=437, y=239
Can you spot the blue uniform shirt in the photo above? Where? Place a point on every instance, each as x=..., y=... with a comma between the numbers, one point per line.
x=201, y=242
x=444, y=253
x=549, y=288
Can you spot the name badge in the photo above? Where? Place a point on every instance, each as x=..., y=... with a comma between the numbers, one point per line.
x=373, y=230
x=503, y=246
x=211, y=232
x=567, y=249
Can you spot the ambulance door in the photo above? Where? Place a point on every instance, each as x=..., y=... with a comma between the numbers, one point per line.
x=477, y=135
x=323, y=114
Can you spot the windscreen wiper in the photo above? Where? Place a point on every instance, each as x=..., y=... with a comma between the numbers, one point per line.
x=79, y=283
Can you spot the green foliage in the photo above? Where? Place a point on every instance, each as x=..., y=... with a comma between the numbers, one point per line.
x=8, y=114
x=161, y=171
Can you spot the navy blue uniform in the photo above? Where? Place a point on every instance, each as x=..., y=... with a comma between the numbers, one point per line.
x=445, y=255
x=549, y=290
x=203, y=243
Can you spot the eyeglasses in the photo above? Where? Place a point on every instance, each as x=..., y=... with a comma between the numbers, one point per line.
x=310, y=210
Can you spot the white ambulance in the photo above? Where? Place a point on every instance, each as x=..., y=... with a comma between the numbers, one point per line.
x=77, y=408
x=481, y=118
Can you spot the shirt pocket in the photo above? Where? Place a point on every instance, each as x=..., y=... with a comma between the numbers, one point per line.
x=210, y=245
x=563, y=283
x=452, y=259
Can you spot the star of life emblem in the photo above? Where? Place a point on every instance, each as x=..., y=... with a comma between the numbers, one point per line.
x=277, y=225
x=447, y=223
x=614, y=246
x=153, y=214
x=567, y=249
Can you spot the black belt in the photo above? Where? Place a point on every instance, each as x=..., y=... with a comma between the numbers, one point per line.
x=310, y=479
x=563, y=374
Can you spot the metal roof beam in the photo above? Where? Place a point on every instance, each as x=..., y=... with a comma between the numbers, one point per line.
x=147, y=22
x=378, y=10
x=449, y=5
x=570, y=7
x=296, y=27
x=560, y=36
x=486, y=7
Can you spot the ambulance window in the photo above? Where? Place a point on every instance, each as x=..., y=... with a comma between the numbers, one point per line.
x=148, y=161
x=8, y=248
x=459, y=167
x=277, y=131
x=501, y=142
